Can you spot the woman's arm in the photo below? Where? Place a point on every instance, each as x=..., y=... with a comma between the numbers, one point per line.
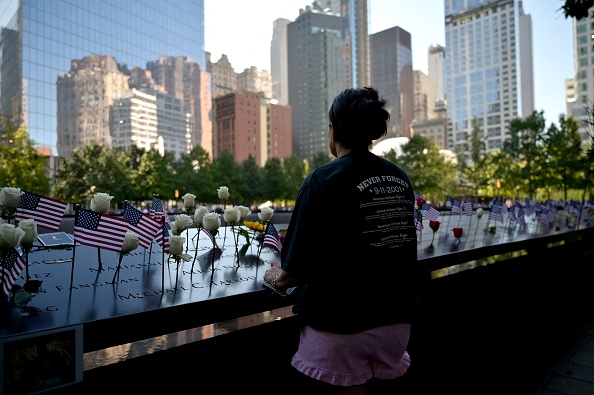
x=280, y=278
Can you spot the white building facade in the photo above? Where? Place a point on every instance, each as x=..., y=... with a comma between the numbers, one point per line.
x=488, y=69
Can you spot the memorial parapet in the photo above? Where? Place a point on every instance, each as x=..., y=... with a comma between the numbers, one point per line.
x=151, y=288
x=151, y=295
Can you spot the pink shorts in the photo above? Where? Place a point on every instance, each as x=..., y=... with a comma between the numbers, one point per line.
x=352, y=359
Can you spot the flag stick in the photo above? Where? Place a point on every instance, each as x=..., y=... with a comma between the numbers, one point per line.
x=163, y=255
x=76, y=207
x=2, y=262
x=196, y=247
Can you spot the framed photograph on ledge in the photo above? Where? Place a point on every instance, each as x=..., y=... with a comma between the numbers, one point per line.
x=55, y=239
x=42, y=361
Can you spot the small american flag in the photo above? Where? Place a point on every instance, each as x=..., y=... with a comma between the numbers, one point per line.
x=418, y=221
x=271, y=238
x=94, y=229
x=466, y=206
x=11, y=266
x=448, y=202
x=495, y=213
x=156, y=210
x=429, y=212
x=47, y=212
x=456, y=207
x=162, y=237
x=546, y=215
x=146, y=227
x=520, y=217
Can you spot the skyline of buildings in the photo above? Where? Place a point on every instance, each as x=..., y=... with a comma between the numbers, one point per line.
x=168, y=90
x=40, y=40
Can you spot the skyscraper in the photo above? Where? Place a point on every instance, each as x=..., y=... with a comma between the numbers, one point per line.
x=392, y=73
x=435, y=65
x=488, y=69
x=580, y=89
x=355, y=32
x=278, y=61
x=50, y=35
x=316, y=73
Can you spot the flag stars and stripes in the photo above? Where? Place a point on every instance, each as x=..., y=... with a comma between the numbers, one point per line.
x=271, y=237
x=12, y=264
x=47, y=212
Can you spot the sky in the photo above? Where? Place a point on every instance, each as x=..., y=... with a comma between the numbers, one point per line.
x=552, y=37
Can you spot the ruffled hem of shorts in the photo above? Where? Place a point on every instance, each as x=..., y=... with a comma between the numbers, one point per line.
x=400, y=370
x=348, y=380
x=327, y=377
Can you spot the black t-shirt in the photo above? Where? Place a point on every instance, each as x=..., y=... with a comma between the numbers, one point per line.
x=352, y=238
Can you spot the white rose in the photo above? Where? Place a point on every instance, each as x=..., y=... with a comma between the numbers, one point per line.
x=10, y=197
x=182, y=222
x=130, y=242
x=176, y=244
x=231, y=215
x=244, y=211
x=265, y=214
x=30, y=228
x=10, y=235
x=212, y=222
x=101, y=202
x=223, y=193
x=189, y=200
x=479, y=213
x=174, y=228
x=199, y=214
x=176, y=247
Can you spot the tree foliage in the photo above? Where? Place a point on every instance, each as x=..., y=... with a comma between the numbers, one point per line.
x=430, y=174
x=320, y=159
x=91, y=169
x=21, y=166
x=472, y=166
x=576, y=8
x=526, y=152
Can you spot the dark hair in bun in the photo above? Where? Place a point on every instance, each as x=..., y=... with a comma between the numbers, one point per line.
x=358, y=117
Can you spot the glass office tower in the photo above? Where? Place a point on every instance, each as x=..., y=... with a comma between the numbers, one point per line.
x=488, y=69
x=42, y=40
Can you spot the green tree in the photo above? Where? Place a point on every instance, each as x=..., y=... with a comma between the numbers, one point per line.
x=429, y=172
x=153, y=175
x=320, y=159
x=251, y=187
x=525, y=149
x=576, y=8
x=564, y=156
x=94, y=168
x=21, y=166
x=195, y=172
x=295, y=171
x=227, y=172
x=472, y=164
x=274, y=179
x=74, y=175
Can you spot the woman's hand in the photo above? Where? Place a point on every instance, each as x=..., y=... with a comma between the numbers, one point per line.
x=273, y=274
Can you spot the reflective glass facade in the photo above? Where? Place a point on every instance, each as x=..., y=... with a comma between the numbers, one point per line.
x=484, y=69
x=40, y=40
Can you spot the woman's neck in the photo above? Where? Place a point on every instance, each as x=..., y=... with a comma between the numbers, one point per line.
x=342, y=150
